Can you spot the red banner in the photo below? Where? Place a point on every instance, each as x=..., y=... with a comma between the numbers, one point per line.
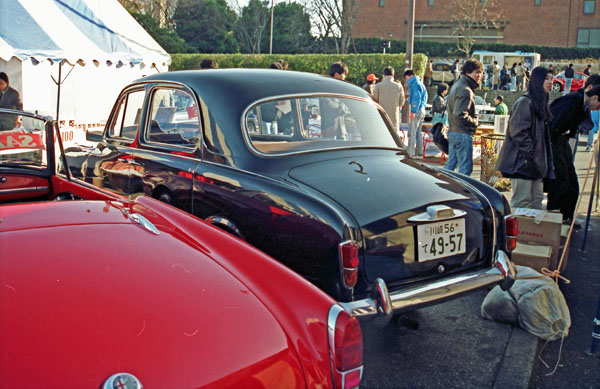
x=17, y=140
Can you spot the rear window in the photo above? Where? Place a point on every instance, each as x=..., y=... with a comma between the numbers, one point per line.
x=297, y=124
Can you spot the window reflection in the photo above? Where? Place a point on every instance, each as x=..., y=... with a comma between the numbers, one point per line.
x=316, y=122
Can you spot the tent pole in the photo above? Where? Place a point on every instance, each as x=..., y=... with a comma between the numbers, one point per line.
x=58, y=93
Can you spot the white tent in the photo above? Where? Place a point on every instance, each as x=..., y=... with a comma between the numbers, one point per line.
x=95, y=46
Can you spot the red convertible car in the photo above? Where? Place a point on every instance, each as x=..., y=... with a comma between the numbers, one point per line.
x=100, y=291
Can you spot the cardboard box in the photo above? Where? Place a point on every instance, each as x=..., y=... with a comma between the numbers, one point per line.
x=539, y=227
x=534, y=256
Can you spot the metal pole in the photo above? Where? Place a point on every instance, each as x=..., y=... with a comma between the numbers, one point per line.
x=271, y=38
x=421, y=32
x=58, y=89
x=411, y=32
x=595, y=333
x=589, y=212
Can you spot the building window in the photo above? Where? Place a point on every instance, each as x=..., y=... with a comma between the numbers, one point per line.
x=382, y=3
x=588, y=37
x=430, y=3
x=589, y=6
x=537, y=2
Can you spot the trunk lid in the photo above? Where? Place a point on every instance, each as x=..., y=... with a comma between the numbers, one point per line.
x=382, y=191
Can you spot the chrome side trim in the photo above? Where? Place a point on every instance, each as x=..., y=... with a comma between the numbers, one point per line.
x=414, y=297
x=24, y=190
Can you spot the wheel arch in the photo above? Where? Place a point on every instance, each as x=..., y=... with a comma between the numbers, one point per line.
x=225, y=224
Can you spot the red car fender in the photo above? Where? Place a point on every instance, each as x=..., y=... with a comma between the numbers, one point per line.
x=294, y=309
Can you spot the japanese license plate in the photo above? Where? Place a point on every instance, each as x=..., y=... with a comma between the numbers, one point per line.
x=441, y=239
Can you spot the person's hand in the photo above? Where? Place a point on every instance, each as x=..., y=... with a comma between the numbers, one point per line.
x=412, y=115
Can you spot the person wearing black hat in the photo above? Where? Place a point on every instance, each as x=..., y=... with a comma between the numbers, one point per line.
x=9, y=98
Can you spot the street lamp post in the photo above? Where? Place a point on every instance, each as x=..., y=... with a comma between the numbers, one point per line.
x=271, y=38
x=410, y=37
x=421, y=32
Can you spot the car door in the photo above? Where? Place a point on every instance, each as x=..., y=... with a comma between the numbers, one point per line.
x=578, y=81
x=166, y=153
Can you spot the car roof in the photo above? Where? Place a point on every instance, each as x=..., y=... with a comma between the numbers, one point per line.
x=249, y=85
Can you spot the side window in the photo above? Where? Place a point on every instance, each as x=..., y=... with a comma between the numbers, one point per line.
x=174, y=118
x=128, y=116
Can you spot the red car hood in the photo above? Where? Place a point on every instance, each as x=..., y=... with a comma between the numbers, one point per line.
x=79, y=302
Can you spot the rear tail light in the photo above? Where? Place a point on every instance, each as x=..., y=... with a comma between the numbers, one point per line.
x=348, y=252
x=345, y=348
x=512, y=230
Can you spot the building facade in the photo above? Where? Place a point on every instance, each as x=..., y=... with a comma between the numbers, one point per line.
x=562, y=23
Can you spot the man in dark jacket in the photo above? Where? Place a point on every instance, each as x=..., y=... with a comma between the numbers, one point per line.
x=569, y=74
x=462, y=117
x=9, y=98
x=568, y=112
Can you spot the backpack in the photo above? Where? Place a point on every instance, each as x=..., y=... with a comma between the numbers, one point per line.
x=439, y=138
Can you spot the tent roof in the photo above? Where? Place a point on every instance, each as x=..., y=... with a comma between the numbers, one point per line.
x=74, y=30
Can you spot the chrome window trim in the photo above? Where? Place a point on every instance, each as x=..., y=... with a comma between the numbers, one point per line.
x=148, y=100
x=109, y=124
x=259, y=153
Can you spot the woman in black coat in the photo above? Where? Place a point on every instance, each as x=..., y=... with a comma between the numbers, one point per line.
x=526, y=155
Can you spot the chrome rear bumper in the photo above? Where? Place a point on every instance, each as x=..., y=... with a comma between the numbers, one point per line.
x=381, y=305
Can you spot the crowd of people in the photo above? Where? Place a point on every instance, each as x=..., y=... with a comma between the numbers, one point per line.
x=537, y=153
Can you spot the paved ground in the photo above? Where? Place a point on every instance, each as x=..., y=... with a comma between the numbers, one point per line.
x=454, y=347
x=576, y=368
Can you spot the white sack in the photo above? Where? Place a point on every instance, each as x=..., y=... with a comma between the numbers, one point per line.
x=537, y=305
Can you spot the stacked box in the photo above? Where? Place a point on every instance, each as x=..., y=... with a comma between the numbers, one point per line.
x=534, y=256
x=538, y=228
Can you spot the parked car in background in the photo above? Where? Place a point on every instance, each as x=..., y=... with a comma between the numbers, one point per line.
x=442, y=72
x=484, y=110
x=328, y=190
x=558, y=83
x=99, y=291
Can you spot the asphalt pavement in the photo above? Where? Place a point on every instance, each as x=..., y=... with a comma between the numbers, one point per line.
x=450, y=345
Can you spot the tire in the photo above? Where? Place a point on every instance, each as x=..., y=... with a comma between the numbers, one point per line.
x=556, y=87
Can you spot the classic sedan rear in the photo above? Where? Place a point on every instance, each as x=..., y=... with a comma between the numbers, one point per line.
x=309, y=170
x=99, y=291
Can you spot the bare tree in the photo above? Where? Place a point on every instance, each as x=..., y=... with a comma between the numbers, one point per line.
x=161, y=10
x=252, y=23
x=334, y=18
x=472, y=18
